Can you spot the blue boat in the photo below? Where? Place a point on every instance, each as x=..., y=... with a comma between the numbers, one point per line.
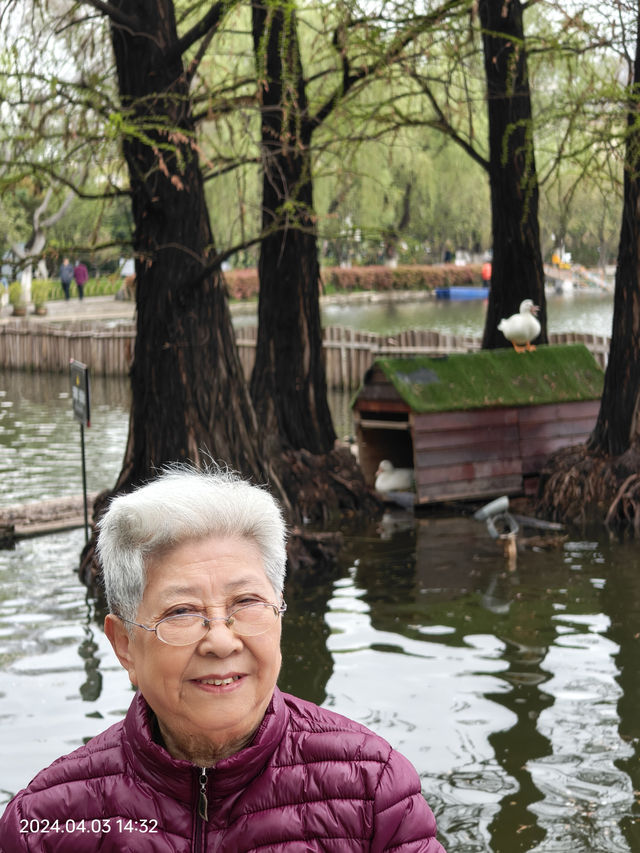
x=462, y=292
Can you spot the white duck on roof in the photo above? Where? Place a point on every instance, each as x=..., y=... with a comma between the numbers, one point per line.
x=391, y=479
x=522, y=328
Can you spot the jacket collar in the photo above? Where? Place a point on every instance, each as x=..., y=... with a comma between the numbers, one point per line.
x=151, y=762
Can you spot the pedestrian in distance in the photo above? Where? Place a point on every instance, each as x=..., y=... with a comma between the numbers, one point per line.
x=81, y=275
x=66, y=277
x=211, y=754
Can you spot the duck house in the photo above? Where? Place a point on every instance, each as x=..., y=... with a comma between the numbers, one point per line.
x=475, y=425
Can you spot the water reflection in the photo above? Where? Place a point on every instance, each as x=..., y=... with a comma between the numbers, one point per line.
x=40, y=451
x=59, y=682
x=515, y=694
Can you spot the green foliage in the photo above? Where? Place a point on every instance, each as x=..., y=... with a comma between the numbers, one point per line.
x=106, y=286
x=52, y=290
x=15, y=294
x=40, y=292
x=67, y=131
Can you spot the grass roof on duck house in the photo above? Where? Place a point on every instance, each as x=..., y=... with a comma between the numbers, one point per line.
x=495, y=378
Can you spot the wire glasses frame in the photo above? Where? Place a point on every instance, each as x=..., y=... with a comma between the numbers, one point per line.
x=249, y=620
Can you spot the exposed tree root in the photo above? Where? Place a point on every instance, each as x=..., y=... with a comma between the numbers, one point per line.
x=325, y=490
x=624, y=512
x=580, y=488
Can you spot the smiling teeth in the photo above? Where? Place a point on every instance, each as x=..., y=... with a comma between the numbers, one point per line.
x=218, y=682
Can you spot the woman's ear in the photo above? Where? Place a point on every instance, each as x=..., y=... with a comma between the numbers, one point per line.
x=121, y=643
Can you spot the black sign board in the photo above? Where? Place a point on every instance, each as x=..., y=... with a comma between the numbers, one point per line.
x=79, y=373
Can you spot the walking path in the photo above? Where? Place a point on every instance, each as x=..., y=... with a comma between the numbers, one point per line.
x=89, y=308
x=110, y=308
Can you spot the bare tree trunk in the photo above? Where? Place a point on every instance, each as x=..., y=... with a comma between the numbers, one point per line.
x=517, y=271
x=288, y=385
x=189, y=395
x=617, y=427
x=599, y=481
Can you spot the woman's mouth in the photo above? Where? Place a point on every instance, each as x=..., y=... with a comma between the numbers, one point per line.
x=218, y=682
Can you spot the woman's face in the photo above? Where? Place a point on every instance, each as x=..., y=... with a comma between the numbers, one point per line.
x=200, y=720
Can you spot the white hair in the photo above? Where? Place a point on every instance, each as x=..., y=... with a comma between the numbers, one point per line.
x=184, y=504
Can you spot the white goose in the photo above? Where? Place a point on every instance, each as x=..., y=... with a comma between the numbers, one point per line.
x=391, y=479
x=523, y=327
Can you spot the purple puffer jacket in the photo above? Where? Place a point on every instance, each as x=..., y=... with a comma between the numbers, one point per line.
x=311, y=780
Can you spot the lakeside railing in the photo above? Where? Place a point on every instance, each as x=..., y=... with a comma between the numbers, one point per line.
x=108, y=349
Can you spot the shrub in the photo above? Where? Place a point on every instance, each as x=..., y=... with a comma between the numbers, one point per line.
x=15, y=294
x=40, y=292
x=107, y=286
x=415, y=277
x=243, y=283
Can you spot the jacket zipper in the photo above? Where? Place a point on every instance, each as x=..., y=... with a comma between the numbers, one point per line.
x=202, y=812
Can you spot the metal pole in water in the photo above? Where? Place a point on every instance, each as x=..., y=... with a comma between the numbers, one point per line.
x=80, y=397
x=84, y=486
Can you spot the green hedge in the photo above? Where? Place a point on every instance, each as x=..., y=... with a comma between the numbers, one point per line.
x=48, y=290
x=243, y=284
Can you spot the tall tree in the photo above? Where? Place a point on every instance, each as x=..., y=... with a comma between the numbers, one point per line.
x=517, y=272
x=189, y=397
x=583, y=483
x=618, y=427
x=288, y=384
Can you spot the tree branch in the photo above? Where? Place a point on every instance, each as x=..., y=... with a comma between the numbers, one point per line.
x=443, y=124
x=200, y=30
x=130, y=22
x=57, y=216
x=403, y=39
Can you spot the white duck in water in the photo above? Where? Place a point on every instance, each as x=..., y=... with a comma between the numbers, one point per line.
x=391, y=479
x=522, y=328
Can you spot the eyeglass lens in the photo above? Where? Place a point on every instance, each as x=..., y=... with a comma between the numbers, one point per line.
x=186, y=628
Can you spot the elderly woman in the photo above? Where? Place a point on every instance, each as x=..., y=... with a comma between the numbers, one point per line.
x=211, y=755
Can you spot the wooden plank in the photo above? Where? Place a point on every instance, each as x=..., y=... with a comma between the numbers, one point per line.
x=27, y=344
x=469, y=471
x=464, y=490
x=551, y=429
x=546, y=444
x=536, y=456
x=466, y=453
x=472, y=435
x=559, y=411
x=466, y=419
x=397, y=405
x=370, y=423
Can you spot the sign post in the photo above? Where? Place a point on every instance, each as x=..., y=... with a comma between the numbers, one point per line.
x=80, y=400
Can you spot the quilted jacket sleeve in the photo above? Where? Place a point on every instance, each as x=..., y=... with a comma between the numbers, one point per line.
x=11, y=839
x=404, y=822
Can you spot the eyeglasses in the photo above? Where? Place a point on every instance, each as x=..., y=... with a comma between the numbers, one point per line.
x=184, y=629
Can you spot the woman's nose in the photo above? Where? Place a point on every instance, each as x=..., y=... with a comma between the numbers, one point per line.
x=220, y=639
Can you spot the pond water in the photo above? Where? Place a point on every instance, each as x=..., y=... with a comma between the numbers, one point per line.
x=516, y=694
x=588, y=311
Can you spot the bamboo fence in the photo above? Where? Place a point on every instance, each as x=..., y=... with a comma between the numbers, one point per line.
x=107, y=349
